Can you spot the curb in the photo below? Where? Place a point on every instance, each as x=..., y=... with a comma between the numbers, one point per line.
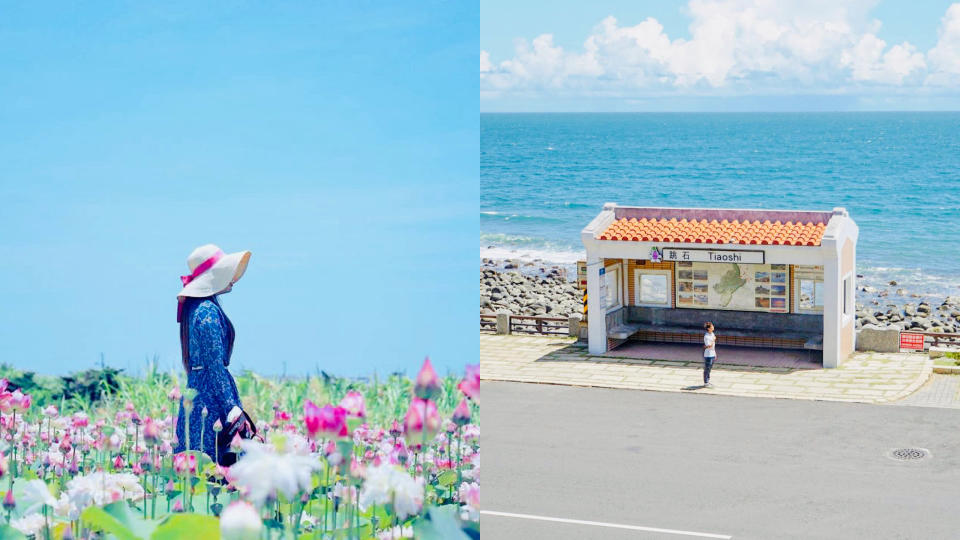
x=947, y=370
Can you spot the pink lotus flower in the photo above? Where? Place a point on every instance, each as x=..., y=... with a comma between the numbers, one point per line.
x=174, y=395
x=395, y=429
x=80, y=419
x=470, y=494
x=19, y=401
x=470, y=385
x=3, y=384
x=184, y=462
x=357, y=470
x=421, y=421
x=461, y=415
x=3, y=465
x=328, y=421
x=427, y=384
x=9, y=503
x=177, y=506
x=354, y=404
x=118, y=462
x=5, y=400
x=50, y=411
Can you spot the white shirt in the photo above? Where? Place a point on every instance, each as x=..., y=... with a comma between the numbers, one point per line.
x=709, y=340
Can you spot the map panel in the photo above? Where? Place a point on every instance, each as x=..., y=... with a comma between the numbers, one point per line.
x=743, y=287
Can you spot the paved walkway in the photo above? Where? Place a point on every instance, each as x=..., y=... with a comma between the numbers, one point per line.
x=865, y=377
x=939, y=391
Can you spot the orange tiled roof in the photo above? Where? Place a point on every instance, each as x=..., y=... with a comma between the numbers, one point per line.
x=715, y=232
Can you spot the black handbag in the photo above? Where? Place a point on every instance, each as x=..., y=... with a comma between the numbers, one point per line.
x=244, y=427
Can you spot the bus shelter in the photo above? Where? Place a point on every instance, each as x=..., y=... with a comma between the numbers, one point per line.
x=765, y=278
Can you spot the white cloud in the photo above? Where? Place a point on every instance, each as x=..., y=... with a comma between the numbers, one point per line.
x=735, y=47
x=944, y=57
x=868, y=61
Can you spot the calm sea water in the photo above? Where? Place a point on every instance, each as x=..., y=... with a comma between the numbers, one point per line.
x=543, y=177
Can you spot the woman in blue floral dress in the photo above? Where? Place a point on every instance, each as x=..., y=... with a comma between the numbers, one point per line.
x=206, y=340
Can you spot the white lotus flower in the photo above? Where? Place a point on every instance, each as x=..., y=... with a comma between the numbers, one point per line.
x=388, y=484
x=35, y=495
x=263, y=472
x=101, y=488
x=65, y=508
x=240, y=521
x=29, y=525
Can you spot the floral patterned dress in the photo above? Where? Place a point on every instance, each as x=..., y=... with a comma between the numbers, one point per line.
x=209, y=335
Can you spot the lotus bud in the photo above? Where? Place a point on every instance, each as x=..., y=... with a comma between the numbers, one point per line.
x=235, y=444
x=151, y=431
x=174, y=394
x=427, y=384
x=177, y=506
x=421, y=421
x=461, y=415
x=9, y=503
x=470, y=385
x=65, y=446
x=217, y=426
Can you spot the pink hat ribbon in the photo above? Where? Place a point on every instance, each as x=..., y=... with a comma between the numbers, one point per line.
x=202, y=267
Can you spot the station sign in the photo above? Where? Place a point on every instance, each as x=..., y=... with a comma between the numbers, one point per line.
x=708, y=255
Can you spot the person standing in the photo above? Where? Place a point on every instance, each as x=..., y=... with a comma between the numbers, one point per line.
x=709, y=352
x=206, y=343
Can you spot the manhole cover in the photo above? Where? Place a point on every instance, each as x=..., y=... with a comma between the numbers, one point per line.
x=909, y=454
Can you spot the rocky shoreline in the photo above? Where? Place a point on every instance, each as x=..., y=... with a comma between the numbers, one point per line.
x=548, y=295
x=921, y=317
x=545, y=291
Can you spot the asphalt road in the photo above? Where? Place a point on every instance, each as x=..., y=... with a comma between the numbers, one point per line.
x=728, y=466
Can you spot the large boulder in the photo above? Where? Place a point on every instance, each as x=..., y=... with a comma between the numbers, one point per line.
x=878, y=339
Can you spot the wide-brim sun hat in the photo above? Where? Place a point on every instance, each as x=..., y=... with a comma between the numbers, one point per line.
x=212, y=271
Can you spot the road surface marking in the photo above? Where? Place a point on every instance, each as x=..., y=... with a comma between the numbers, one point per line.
x=602, y=524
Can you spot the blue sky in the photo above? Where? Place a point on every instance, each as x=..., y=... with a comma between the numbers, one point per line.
x=720, y=55
x=330, y=140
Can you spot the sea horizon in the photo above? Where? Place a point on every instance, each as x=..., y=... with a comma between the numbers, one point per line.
x=544, y=176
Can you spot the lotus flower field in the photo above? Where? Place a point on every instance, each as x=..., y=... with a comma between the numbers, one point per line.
x=340, y=458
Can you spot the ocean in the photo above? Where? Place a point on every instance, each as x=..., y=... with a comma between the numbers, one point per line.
x=543, y=177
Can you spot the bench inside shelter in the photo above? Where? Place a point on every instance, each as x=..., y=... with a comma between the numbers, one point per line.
x=739, y=328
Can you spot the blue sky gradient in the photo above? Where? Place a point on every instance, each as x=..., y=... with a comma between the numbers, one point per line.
x=330, y=140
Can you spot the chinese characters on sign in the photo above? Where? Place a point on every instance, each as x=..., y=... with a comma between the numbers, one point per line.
x=712, y=255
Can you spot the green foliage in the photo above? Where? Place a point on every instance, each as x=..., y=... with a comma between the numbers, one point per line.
x=91, y=384
x=9, y=533
x=443, y=523
x=42, y=388
x=179, y=526
x=118, y=520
